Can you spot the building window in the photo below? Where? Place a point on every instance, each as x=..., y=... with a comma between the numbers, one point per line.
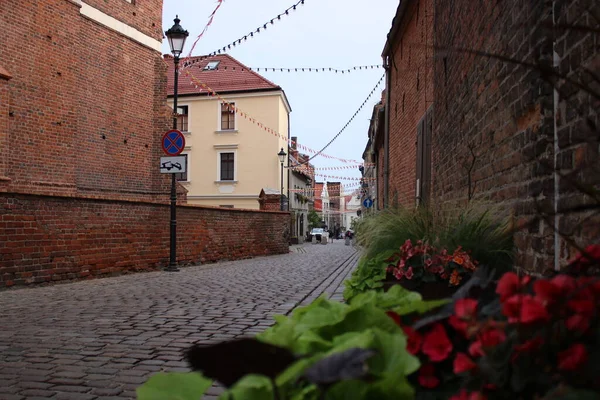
x=227, y=116
x=227, y=166
x=212, y=65
x=183, y=176
x=182, y=118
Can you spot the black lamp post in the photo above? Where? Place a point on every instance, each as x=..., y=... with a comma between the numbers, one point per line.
x=281, y=156
x=176, y=36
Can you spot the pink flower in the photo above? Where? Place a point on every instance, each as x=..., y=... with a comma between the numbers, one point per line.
x=409, y=273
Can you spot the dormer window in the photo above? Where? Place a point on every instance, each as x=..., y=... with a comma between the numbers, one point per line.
x=212, y=65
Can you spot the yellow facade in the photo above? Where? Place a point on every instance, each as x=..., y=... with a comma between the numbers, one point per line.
x=256, y=165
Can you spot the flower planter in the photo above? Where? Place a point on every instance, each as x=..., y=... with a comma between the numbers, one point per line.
x=429, y=291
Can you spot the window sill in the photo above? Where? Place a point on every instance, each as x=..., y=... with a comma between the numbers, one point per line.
x=227, y=131
x=186, y=132
x=218, y=182
x=184, y=182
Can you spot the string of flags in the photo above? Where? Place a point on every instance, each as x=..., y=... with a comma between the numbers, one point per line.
x=302, y=69
x=304, y=168
x=198, y=85
x=210, y=21
x=247, y=36
x=347, y=123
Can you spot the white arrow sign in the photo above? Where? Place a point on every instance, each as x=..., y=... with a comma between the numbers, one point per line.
x=173, y=165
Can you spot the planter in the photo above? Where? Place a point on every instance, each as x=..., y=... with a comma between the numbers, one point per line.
x=429, y=291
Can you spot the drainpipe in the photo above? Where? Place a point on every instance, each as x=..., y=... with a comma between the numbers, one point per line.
x=386, y=135
x=555, y=64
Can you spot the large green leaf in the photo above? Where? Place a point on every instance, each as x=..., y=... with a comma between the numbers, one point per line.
x=250, y=387
x=347, y=390
x=420, y=306
x=174, y=386
x=358, y=319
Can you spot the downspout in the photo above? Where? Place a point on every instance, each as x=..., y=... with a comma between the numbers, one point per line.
x=386, y=134
x=555, y=64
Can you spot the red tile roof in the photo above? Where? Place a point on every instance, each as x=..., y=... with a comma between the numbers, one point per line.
x=230, y=76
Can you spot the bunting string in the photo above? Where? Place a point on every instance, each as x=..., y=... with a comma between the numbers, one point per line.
x=210, y=21
x=301, y=69
x=303, y=168
x=247, y=36
x=201, y=85
x=347, y=123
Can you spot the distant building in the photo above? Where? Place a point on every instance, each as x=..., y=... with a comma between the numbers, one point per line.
x=230, y=158
x=300, y=198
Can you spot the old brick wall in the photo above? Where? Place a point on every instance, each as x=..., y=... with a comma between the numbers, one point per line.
x=88, y=103
x=498, y=117
x=411, y=94
x=45, y=238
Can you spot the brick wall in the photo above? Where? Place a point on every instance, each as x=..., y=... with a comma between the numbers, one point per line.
x=498, y=117
x=88, y=104
x=45, y=238
x=411, y=94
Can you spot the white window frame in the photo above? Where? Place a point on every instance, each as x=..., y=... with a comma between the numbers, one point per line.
x=189, y=108
x=235, y=164
x=235, y=118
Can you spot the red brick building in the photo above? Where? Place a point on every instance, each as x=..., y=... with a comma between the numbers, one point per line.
x=82, y=111
x=484, y=117
x=82, y=91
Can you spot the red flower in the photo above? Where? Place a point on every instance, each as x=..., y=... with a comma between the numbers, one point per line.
x=508, y=285
x=488, y=339
x=527, y=347
x=578, y=323
x=427, y=376
x=464, y=395
x=573, y=358
x=589, y=257
x=436, y=344
x=463, y=363
x=465, y=309
x=583, y=307
x=564, y=282
x=524, y=309
x=546, y=291
x=459, y=325
x=409, y=273
x=413, y=340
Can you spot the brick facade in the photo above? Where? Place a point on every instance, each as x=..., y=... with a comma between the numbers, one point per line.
x=50, y=238
x=87, y=104
x=499, y=117
x=493, y=135
x=409, y=56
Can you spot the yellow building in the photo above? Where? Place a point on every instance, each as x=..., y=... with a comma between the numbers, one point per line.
x=230, y=155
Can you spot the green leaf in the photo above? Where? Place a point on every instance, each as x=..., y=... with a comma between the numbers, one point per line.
x=421, y=306
x=347, y=390
x=174, y=386
x=250, y=387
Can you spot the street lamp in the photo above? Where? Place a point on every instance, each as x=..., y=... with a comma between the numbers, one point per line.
x=281, y=156
x=176, y=36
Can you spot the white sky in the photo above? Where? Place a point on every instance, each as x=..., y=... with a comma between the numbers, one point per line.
x=320, y=33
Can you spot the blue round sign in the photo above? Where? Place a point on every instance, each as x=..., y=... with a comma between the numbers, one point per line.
x=173, y=142
x=368, y=203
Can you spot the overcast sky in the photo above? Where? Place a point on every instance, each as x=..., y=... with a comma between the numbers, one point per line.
x=320, y=33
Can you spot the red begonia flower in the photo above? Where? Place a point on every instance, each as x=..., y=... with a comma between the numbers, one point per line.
x=427, y=376
x=463, y=363
x=546, y=291
x=436, y=344
x=488, y=339
x=527, y=347
x=583, y=307
x=589, y=257
x=459, y=325
x=413, y=340
x=465, y=309
x=508, y=285
x=409, y=273
x=565, y=282
x=578, y=323
x=464, y=395
x=524, y=309
x=573, y=358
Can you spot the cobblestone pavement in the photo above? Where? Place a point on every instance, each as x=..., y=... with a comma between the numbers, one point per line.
x=101, y=339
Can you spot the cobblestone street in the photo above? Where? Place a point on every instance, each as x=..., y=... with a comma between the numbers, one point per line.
x=100, y=339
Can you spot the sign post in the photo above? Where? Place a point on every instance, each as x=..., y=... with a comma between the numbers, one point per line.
x=173, y=143
x=368, y=203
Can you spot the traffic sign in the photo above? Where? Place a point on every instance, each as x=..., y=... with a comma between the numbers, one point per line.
x=368, y=203
x=173, y=142
x=172, y=165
